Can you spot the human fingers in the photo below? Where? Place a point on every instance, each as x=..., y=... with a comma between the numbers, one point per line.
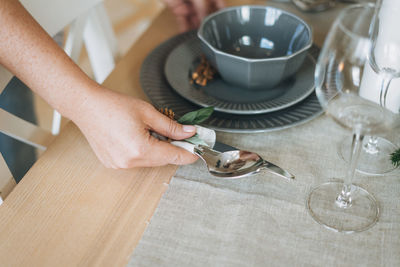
x=163, y=153
x=183, y=12
x=187, y=19
x=165, y=126
x=219, y=4
x=180, y=8
x=201, y=9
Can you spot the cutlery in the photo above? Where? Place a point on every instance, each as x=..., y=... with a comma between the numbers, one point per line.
x=313, y=5
x=319, y=5
x=230, y=163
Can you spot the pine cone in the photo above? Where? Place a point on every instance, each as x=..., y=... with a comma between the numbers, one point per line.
x=168, y=112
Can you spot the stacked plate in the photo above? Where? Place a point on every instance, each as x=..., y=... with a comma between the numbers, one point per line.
x=165, y=78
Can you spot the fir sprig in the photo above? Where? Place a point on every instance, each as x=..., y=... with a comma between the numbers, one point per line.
x=395, y=158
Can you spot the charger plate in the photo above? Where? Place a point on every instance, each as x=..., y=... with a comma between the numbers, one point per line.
x=161, y=94
x=224, y=97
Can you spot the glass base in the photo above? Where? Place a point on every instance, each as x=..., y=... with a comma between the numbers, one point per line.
x=361, y=215
x=375, y=162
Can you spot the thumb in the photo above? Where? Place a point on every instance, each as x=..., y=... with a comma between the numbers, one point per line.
x=163, y=125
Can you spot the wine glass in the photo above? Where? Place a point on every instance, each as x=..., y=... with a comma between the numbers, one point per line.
x=343, y=206
x=383, y=68
x=374, y=156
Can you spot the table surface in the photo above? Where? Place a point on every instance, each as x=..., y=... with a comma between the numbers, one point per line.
x=69, y=209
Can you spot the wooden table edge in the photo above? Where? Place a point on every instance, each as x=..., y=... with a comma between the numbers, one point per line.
x=27, y=193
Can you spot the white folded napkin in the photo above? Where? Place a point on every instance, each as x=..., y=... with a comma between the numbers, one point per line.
x=207, y=135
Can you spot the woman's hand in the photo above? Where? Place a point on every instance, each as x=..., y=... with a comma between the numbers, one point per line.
x=117, y=128
x=190, y=13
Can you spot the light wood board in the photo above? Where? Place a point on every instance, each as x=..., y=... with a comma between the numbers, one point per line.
x=71, y=211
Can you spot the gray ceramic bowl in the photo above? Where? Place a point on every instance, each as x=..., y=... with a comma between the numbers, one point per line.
x=255, y=47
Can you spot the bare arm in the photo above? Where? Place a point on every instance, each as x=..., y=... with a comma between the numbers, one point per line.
x=30, y=53
x=116, y=126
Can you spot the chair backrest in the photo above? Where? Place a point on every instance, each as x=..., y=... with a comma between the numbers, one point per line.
x=89, y=25
x=7, y=182
x=53, y=16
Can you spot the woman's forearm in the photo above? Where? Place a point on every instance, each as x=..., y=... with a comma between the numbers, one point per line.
x=32, y=55
x=116, y=126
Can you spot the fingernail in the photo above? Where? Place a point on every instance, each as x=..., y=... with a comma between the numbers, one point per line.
x=188, y=128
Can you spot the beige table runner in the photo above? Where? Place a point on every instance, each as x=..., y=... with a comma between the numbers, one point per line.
x=262, y=220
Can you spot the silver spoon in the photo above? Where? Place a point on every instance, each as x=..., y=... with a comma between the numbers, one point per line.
x=237, y=163
x=320, y=5
x=313, y=5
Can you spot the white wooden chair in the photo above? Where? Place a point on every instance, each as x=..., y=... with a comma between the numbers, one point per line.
x=89, y=25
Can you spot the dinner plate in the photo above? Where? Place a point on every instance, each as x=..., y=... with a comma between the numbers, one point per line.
x=161, y=94
x=224, y=97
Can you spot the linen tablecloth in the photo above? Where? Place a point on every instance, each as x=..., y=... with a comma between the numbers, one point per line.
x=262, y=220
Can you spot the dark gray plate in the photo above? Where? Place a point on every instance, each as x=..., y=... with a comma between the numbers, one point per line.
x=162, y=95
x=228, y=98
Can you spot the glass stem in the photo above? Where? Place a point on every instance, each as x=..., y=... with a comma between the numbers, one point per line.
x=344, y=199
x=372, y=145
x=384, y=89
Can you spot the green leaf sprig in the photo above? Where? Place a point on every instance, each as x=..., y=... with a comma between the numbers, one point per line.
x=196, y=117
x=395, y=158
